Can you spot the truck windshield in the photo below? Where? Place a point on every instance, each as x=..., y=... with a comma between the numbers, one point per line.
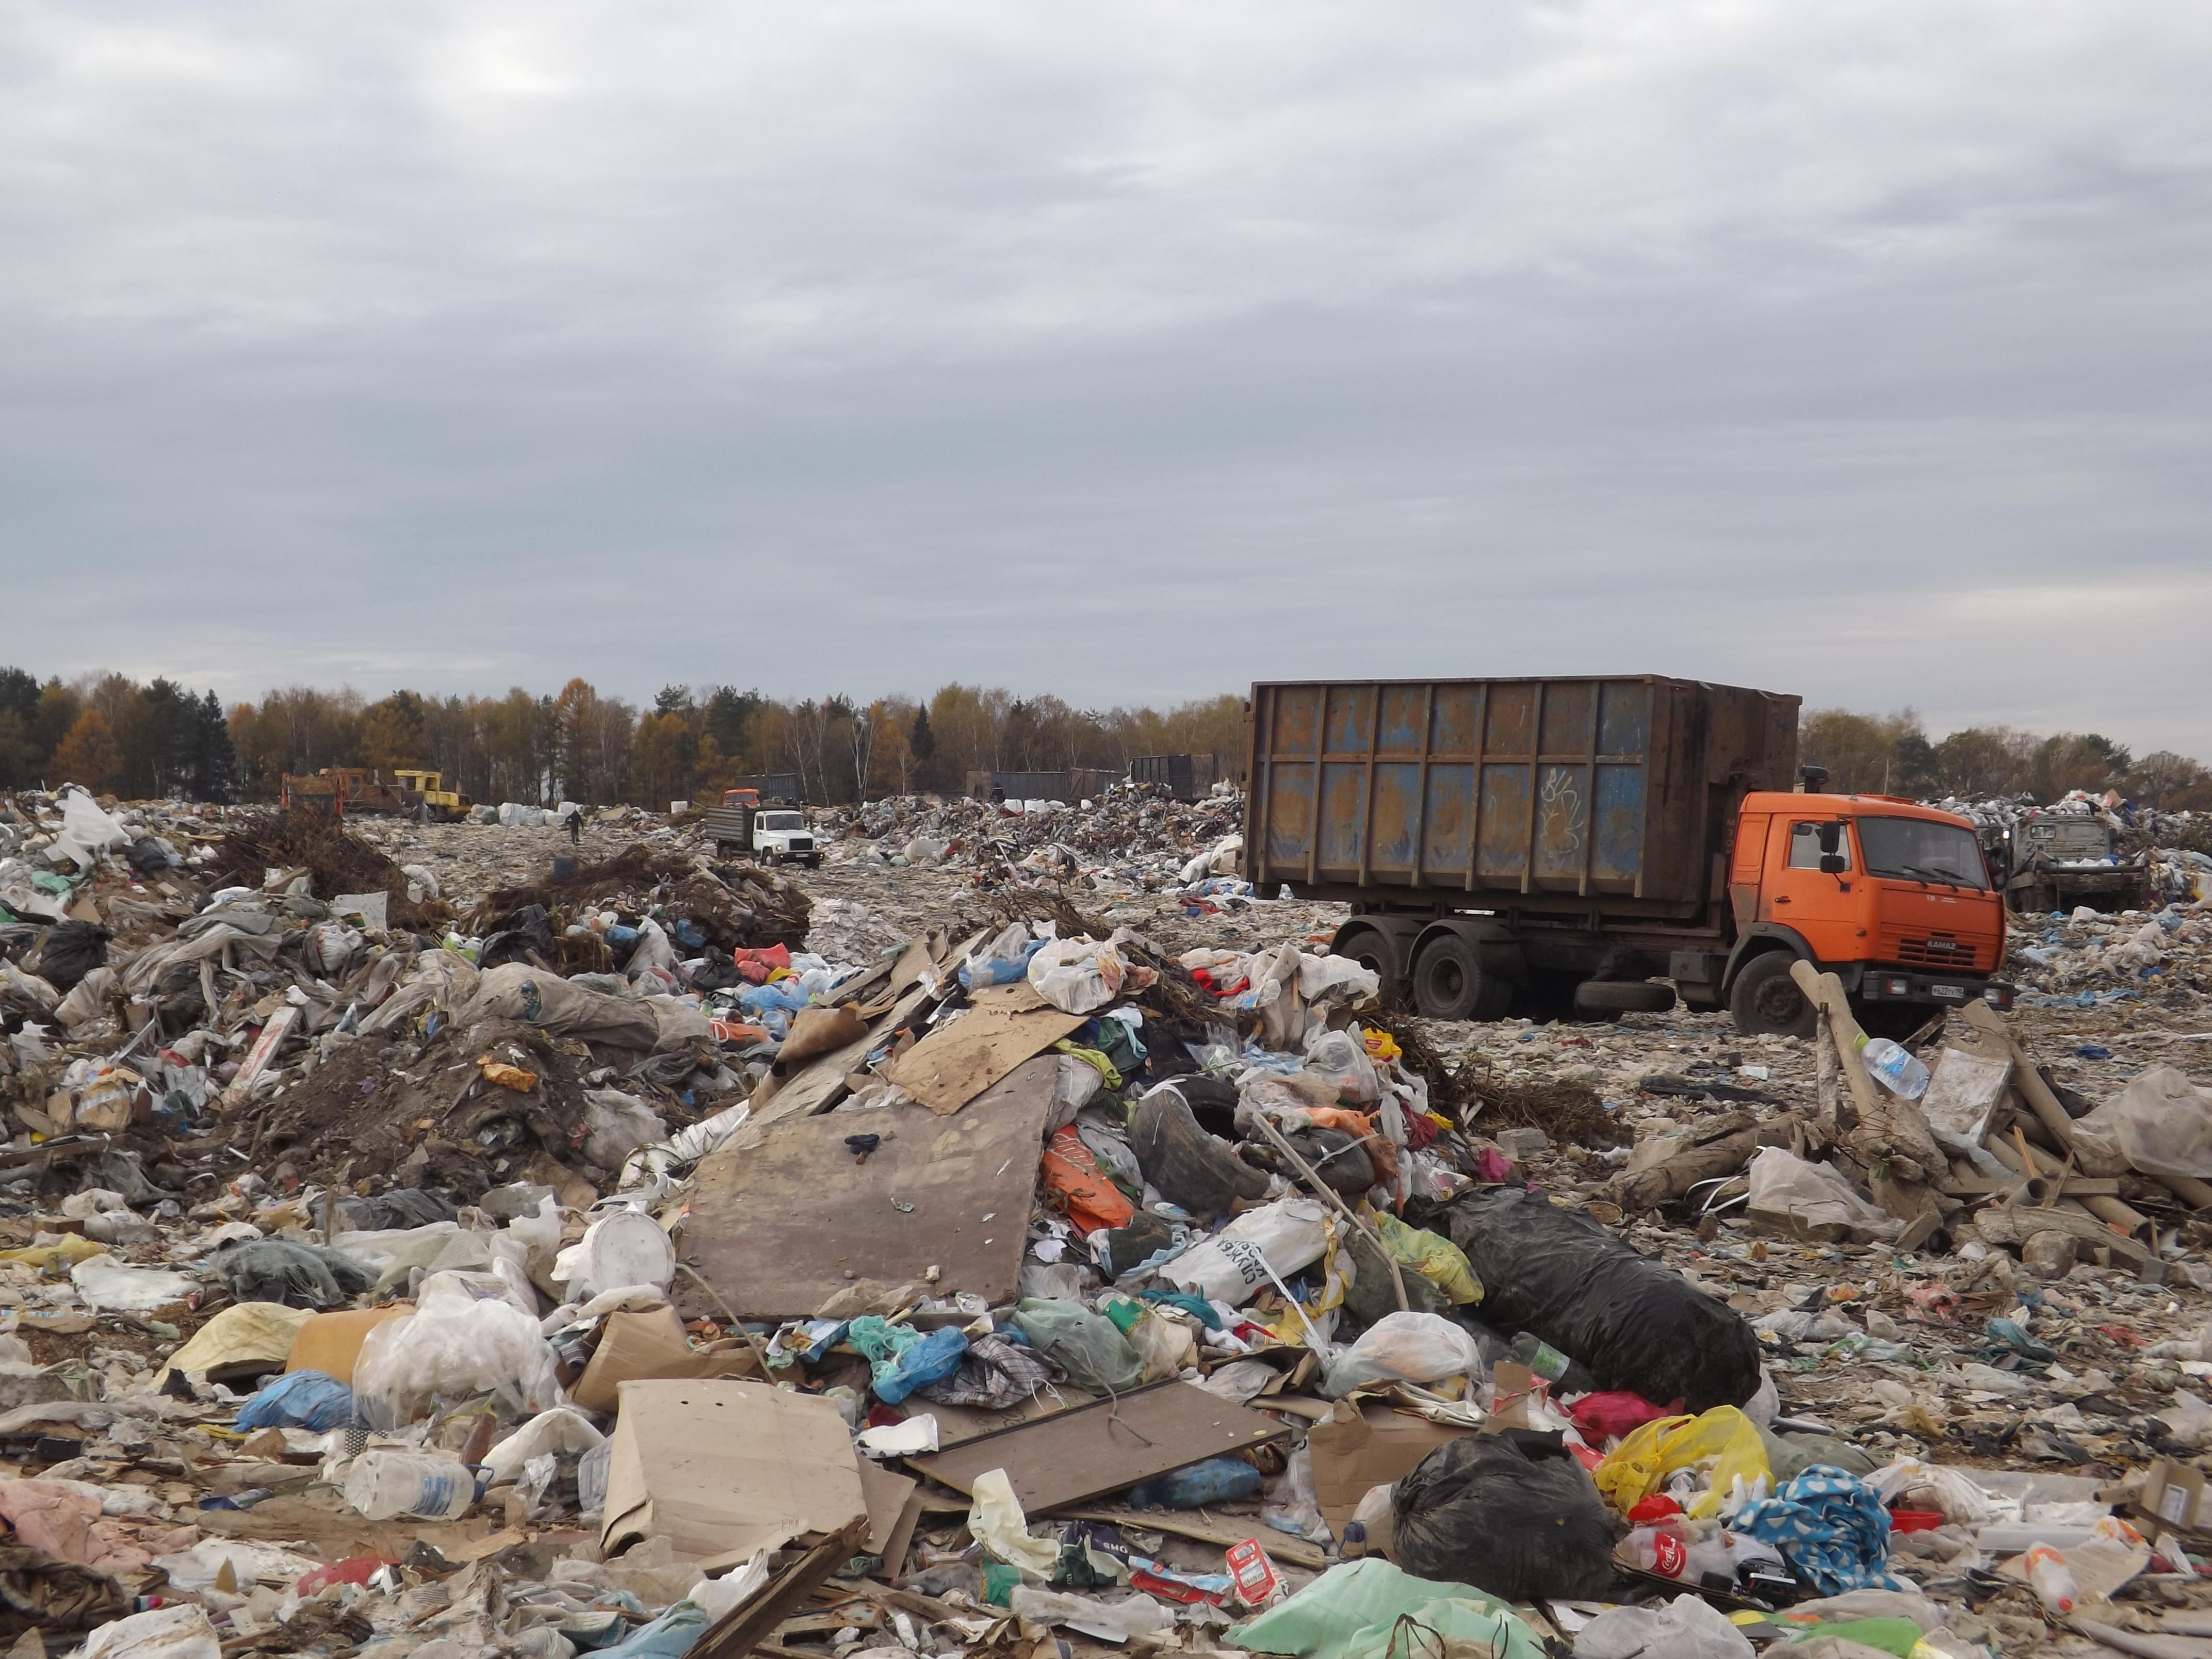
x=783, y=821
x=1919, y=850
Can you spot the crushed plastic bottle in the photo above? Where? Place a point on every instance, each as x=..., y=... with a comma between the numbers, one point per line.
x=1894, y=1067
x=2051, y=1579
x=386, y=1484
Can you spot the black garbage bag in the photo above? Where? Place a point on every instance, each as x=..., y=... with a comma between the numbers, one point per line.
x=284, y=1270
x=72, y=949
x=1510, y=1513
x=1190, y=1167
x=1340, y=1159
x=402, y=1206
x=514, y=939
x=146, y=855
x=715, y=972
x=1634, y=1323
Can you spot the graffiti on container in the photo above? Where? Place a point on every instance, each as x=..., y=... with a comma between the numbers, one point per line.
x=1563, y=811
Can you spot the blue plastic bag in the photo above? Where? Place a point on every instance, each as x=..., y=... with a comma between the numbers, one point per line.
x=902, y=1359
x=298, y=1399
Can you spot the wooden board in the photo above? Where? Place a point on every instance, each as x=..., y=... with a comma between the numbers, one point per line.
x=1073, y=1456
x=956, y=1063
x=780, y=1226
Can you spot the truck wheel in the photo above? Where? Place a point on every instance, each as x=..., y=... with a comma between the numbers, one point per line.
x=1623, y=996
x=1448, y=983
x=1766, y=1002
x=1371, y=951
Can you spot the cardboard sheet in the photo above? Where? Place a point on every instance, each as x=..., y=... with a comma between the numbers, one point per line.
x=639, y=1347
x=1367, y=1444
x=722, y=1469
x=781, y=1226
x=1074, y=1456
x=956, y=1063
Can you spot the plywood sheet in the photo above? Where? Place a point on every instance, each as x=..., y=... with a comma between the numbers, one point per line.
x=780, y=1226
x=956, y=1063
x=1072, y=1456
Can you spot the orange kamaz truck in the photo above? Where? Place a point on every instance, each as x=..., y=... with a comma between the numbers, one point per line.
x=1583, y=848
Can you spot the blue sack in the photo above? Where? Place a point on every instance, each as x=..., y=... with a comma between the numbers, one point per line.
x=298, y=1399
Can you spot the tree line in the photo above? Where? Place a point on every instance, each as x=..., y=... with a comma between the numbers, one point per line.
x=110, y=734
x=114, y=735
x=578, y=743
x=1893, y=755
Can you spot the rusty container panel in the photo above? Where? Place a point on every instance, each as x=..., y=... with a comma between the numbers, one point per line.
x=1573, y=788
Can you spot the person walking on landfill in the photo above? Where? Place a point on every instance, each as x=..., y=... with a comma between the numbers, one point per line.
x=576, y=828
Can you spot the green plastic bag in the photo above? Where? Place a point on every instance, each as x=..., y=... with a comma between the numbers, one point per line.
x=1352, y=1611
x=1094, y=1354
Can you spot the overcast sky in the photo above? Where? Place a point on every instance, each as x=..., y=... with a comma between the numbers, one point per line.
x=1130, y=352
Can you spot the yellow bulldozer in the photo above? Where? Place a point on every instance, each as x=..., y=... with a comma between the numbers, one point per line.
x=429, y=793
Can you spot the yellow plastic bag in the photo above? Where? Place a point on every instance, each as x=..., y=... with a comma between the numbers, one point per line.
x=1439, y=1261
x=1647, y=1457
x=69, y=1250
x=1380, y=1045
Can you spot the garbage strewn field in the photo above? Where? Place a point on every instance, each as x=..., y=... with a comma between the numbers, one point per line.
x=1020, y=1235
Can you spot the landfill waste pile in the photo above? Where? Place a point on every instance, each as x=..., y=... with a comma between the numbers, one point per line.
x=1134, y=838
x=580, y=1257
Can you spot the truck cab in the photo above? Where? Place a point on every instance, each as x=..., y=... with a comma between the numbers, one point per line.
x=772, y=835
x=1894, y=898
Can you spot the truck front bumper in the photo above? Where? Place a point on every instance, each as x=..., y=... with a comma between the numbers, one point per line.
x=1872, y=983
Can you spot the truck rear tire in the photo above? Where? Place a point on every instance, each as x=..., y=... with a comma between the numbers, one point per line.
x=1766, y=1002
x=1375, y=952
x=1450, y=983
x=1623, y=996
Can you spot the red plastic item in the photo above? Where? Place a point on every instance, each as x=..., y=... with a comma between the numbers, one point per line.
x=1651, y=1510
x=754, y=966
x=1617, y=1415
x=1072, y=1178
x=353, y=1570
x=1258, y=1584
x=1915, y=1519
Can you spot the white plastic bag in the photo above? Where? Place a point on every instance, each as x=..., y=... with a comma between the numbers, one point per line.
x=1414, y=1347
x=1341, y=1058
x=616, y=1125
x=331, y=945
x=106, y=1283
x=564, y=1429
x=86, y=831
x=1813, y=1201
x=2160, y=1125
x=1233, y=1265
x=181, y=1632
x=450, y=1347
x=1686, y=1628
x=1077, y=976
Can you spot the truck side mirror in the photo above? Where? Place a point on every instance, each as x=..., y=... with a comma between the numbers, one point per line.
x=1834, y=864
x=1830, y=837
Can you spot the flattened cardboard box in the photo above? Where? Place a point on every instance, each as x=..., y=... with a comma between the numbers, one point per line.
x=721, y=1469
x=1356, y=1450
x=638, y=1347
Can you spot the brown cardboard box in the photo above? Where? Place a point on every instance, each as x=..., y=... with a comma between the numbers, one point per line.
x=639, y=1347
x=331, y=1342
x=721, y=1469
x=2174, y=1493
x=1358, y=1447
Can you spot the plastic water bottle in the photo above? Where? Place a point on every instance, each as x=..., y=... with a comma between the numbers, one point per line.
x=1893, y=1066
x=2051, y=1579
x=386, y=1484
x=1531, y=1350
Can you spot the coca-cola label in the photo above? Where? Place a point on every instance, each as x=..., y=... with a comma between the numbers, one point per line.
x=1668, y=1557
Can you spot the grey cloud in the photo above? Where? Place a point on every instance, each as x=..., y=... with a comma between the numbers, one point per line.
x=1853, y=350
